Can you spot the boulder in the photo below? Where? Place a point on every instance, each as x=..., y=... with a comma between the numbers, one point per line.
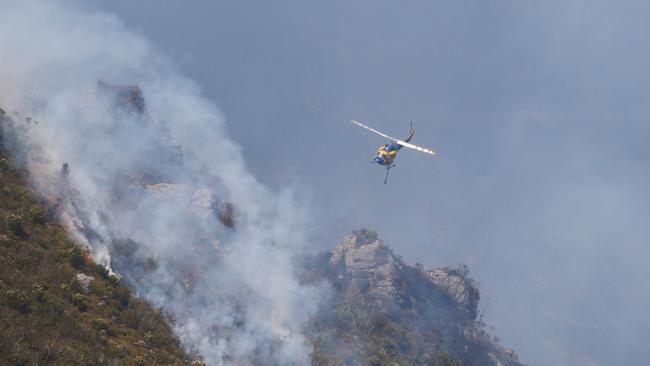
x=85, y=281
x=459, y=286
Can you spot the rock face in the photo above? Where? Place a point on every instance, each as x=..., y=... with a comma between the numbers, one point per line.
x=85, y=281
x=369, y=263
x=459, y=286
x=364, y=257
x=385, y=312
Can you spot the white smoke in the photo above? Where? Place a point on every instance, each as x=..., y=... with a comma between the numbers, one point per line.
x=141, y=189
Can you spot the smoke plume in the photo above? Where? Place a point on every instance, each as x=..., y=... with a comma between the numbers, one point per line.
x=148, y=179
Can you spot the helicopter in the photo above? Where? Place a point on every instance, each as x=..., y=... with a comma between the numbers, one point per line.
x=386, y=154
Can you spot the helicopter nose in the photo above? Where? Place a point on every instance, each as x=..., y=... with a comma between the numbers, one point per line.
x=379, y=160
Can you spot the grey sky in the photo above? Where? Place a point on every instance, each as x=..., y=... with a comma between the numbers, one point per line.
x=538, y=111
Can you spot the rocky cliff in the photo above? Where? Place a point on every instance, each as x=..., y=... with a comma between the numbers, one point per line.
x=384, y=312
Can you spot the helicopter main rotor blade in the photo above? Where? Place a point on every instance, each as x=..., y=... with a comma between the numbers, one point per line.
x=373, y=130
x=416, y=147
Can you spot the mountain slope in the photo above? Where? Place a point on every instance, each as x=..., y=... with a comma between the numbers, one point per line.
x=57, y=307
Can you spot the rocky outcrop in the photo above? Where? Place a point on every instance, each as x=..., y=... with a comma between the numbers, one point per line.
x=462, y=289
x=85, y=281
x=387, y=312
x=369, y=263
x=366, y=259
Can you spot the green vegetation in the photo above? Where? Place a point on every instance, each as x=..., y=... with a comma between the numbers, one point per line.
x=76, y=257
x=38, y=215
x=46, y=316
x=357, y=335
x=80, y=302
x=16, y=299
x=15, y=224
x=352, y=335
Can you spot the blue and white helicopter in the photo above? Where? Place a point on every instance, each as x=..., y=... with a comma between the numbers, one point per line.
x=386, y=154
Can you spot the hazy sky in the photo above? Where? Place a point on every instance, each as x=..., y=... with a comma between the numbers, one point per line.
x=539, y=111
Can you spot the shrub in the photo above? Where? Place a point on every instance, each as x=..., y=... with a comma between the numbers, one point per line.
x=15, y=224
x=38, y=215
x=139, y=361
x=98, y=288
x=8, y=241
x=114, y=279
x=39, y=290
x=155, y=339
x=21, y=194
x=4, y=165
x=76, y=286
x=79, y=300
x=121, y=295
x=17, y=299
x=100, y=270
x=113, y=350
x=148, y=337
x=77, y=257
x=101, y=324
